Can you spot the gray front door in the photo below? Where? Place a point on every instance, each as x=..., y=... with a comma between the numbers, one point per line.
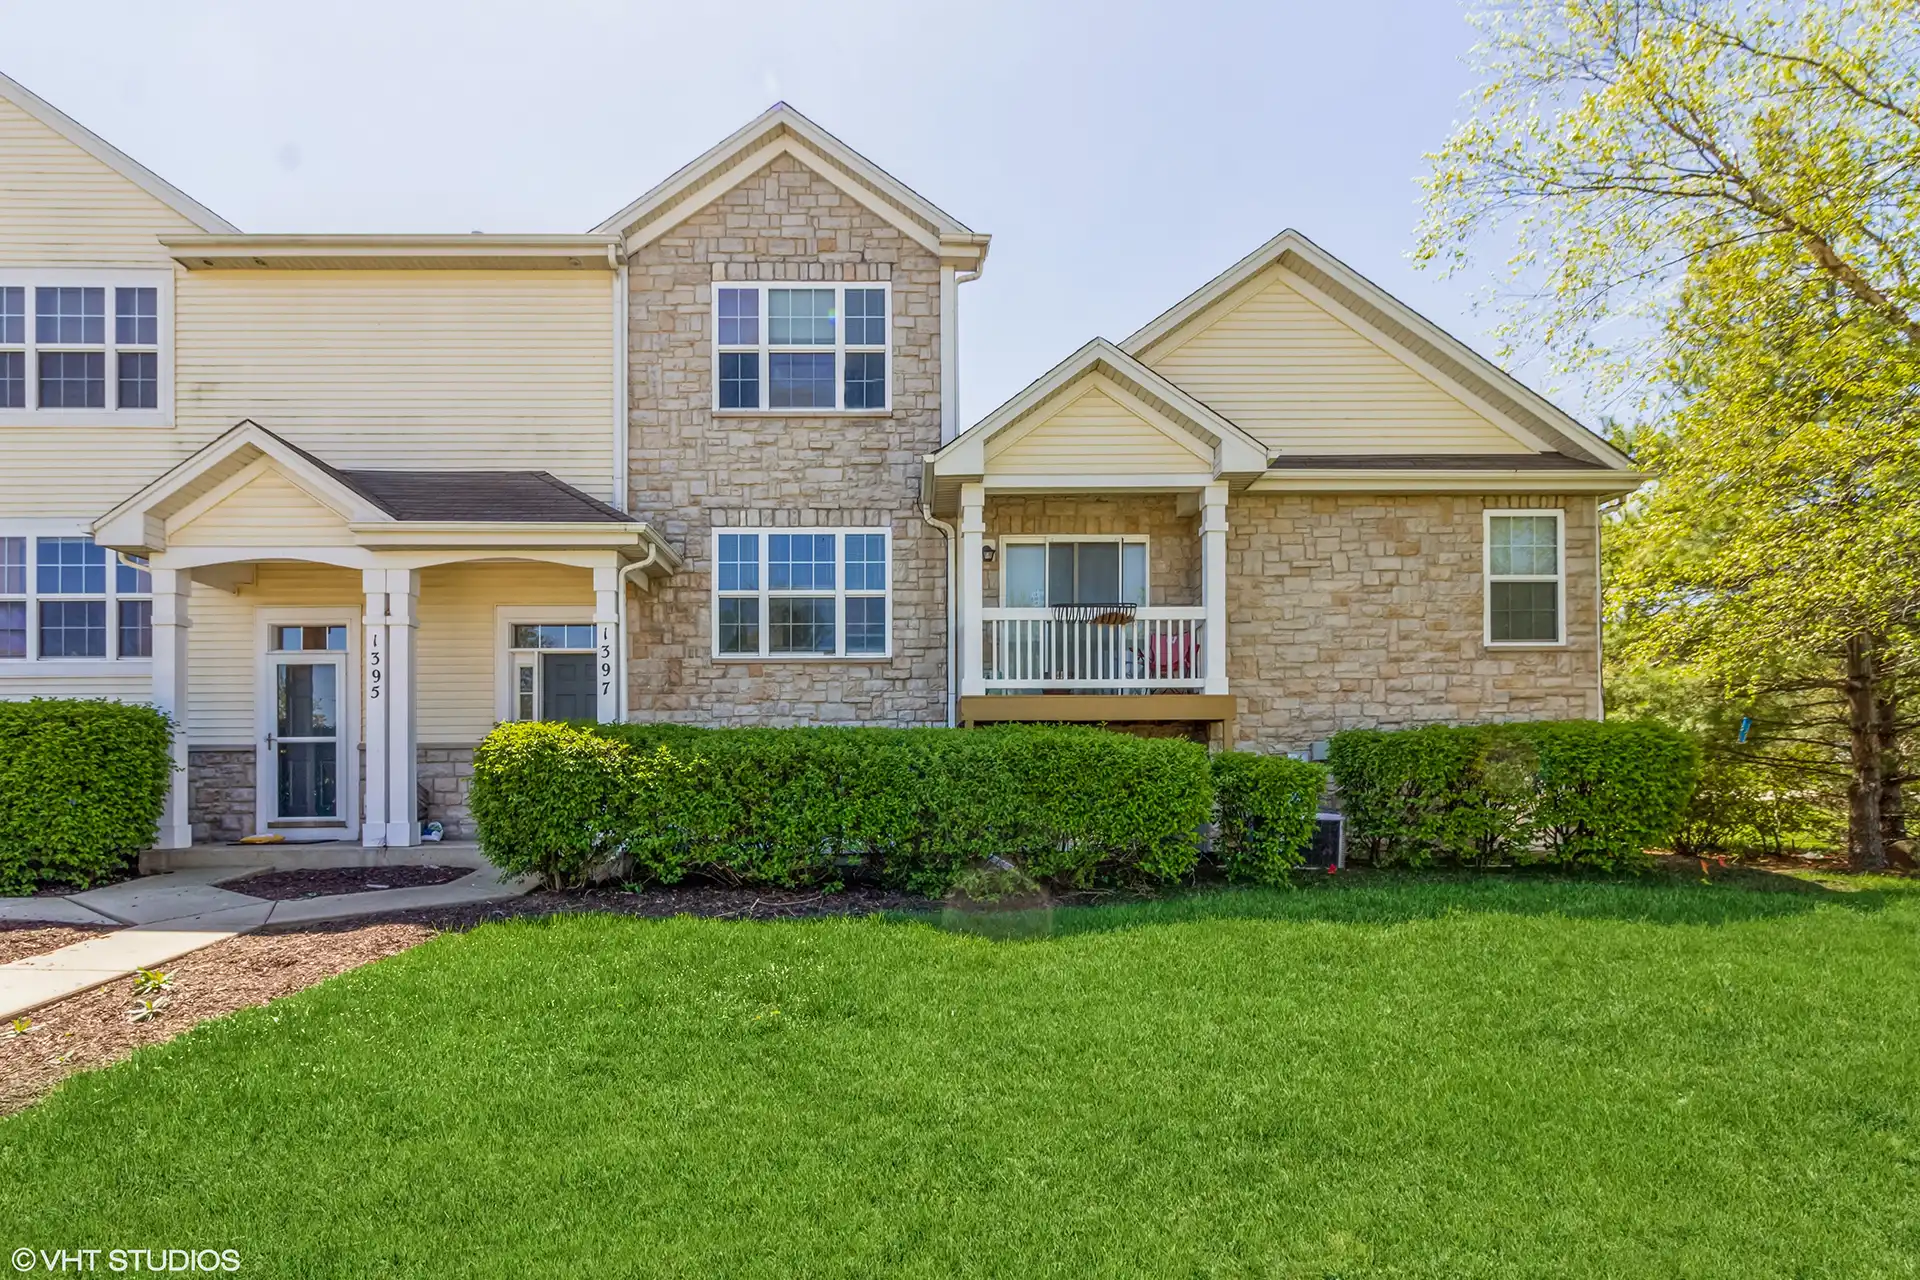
x=566, y=686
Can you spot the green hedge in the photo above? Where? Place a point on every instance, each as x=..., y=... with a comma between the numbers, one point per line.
x=82, y=786
x=1570, y=792
x=915, y=807
x=1266, y=809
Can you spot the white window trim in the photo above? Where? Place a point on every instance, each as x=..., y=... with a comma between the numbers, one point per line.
x=766, y=348
x=1047, y=539
x=1487, y=578
x=766, y=593
x=35, y=665
x=161, y=281
x=505, y=619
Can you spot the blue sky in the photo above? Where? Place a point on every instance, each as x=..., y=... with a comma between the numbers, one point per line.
x=1121, y=154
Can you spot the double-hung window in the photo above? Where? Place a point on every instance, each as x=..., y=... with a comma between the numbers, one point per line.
x=801, y=593
x=64, y=597
x=1525, y=577
x=82, y=344
x=784, y=348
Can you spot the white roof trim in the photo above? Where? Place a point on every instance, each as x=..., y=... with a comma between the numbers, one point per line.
x=834, y=160
x=134, y=523
x=1561, y=428
x=1234, y=449
x=111, y=156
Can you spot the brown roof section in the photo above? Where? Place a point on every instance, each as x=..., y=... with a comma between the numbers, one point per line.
x=529, y=497
x=1431, y=462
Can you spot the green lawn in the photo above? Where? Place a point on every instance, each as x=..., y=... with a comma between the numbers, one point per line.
x=1376, y=1077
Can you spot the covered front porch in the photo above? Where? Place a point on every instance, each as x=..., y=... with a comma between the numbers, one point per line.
x=331, y=644
x=1092, y=527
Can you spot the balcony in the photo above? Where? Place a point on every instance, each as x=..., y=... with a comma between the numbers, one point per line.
x=1093, y=649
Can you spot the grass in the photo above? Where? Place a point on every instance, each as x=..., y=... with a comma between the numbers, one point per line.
x=1387, y=1076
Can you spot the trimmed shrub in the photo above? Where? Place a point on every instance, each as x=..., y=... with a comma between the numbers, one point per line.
x=82, y=786
x=557, y=801
x=1572, y=792
x=809, y=806
x=1607, y=791
x=1267, y=806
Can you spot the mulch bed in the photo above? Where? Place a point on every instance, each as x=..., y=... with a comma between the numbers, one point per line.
x=23, y=939
x=91, y=1029
x=285, y=886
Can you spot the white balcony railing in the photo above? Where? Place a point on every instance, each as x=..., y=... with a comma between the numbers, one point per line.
x=1036, y=649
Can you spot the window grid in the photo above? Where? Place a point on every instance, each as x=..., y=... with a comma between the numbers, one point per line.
x=67, y=345
x=801, y=346
x=1525, y=578
x=62, y=597
x=801, y=593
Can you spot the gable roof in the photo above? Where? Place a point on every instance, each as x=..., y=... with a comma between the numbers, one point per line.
x=381, y=508
x=782, y=130
x=111, y=156
x=1523, y=412
x=1234, y=451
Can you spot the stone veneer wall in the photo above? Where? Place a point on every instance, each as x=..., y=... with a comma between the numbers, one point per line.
x=446, y=771
x=220, y=793
x=221, y=790
x=1366, y=610
x=1173, y=540
x=694, y=470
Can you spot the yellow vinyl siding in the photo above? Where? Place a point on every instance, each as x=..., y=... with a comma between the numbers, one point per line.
x=459, y=638
x=456, y=657
x=1304, y=381
x=59, y=205
x=1095, y=431
x=223, y=645
x=123, y=681
x=269, y=511
x=483, y=370
x=398, y=369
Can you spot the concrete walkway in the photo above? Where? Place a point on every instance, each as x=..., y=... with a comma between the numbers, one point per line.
x=180, y=911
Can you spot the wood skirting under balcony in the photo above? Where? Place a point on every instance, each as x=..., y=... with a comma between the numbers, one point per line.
x=1099, y=708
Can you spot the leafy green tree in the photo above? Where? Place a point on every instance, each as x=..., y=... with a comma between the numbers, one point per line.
x=1717, y=203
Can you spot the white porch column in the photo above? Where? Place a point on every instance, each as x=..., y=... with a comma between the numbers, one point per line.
x=373, y=723
x=606, y=629
x=1213, y=589
x=973, y=532
x=170, y=625
x=403, y=763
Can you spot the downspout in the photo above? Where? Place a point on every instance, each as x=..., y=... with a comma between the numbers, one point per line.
x=622, y=642
x=953, y=575
x=622, y=391
x=1599, y=610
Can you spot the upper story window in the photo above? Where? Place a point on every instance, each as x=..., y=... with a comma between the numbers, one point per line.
x=801, y=593
x=83, y=345
x=783, y=347
x=1525, y=577
x=63, y=597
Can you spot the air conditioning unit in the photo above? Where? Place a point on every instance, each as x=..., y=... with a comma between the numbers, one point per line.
x=1329, y=846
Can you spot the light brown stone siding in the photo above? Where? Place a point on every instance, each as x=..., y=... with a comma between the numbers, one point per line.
x=1366, y=610
x=221, y=793
x=445, y=773
x=694, y=470
x=1173, y=540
